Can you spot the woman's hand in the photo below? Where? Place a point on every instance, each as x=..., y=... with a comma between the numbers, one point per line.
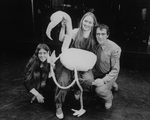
x=40, y=98
x=63, y=23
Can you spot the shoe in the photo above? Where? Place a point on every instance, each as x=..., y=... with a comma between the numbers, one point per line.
x=108, y=104
x=59, y=113
x=115, y=86
x=77, y=95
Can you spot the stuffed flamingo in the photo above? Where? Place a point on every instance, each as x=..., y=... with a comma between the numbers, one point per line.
x=72, y=58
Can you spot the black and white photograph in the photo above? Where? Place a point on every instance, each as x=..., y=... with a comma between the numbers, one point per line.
x=74, y=59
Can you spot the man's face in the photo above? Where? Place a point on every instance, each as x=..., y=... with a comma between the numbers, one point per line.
x=101, y=36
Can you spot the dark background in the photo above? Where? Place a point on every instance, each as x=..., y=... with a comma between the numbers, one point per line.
x=22, y=26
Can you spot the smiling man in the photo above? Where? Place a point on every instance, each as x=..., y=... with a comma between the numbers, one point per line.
x=107, y=66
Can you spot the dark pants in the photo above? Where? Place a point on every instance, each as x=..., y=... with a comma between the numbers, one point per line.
x=104, y=91
x=65, y=77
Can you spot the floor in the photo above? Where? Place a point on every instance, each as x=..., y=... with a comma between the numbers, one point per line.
x=131, y=102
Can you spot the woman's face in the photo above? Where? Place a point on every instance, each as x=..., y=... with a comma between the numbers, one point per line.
x=87, y=23
x=42, y=55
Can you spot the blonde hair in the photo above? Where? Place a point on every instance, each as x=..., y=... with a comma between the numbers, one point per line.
x=79, y=39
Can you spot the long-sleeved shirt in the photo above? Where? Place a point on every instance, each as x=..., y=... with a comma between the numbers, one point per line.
x=108, y=60
x=35, y=75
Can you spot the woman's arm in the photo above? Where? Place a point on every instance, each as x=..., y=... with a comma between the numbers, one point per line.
x=28, y=76
x=29, y=82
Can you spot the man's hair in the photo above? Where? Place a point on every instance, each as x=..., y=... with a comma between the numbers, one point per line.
x=102, y=26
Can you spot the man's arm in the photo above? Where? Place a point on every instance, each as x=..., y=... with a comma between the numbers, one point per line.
x=115, y=65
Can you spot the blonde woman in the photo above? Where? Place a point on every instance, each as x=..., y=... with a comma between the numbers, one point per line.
x=81, y=38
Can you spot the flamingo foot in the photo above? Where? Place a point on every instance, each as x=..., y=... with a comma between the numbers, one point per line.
x=78, y=113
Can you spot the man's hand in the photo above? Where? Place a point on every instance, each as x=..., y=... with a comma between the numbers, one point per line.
x=40, y=98
x=98, y=82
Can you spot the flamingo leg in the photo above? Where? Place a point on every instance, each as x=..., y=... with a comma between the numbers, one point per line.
x=81, y=111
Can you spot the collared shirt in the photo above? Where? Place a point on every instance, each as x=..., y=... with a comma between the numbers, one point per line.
x=108, y=60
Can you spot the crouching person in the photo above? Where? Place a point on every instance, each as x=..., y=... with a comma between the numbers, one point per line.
x=107, y=67
x=37, y=70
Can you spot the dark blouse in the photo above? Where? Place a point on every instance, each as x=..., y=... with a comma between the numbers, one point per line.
x=35, y=74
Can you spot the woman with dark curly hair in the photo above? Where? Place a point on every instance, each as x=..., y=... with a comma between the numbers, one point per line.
x=37, y=70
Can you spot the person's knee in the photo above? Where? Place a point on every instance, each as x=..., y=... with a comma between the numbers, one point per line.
x=88, y=75
x=64, y=80
x=101, y=91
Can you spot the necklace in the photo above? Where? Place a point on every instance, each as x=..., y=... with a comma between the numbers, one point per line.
x=41, y=65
